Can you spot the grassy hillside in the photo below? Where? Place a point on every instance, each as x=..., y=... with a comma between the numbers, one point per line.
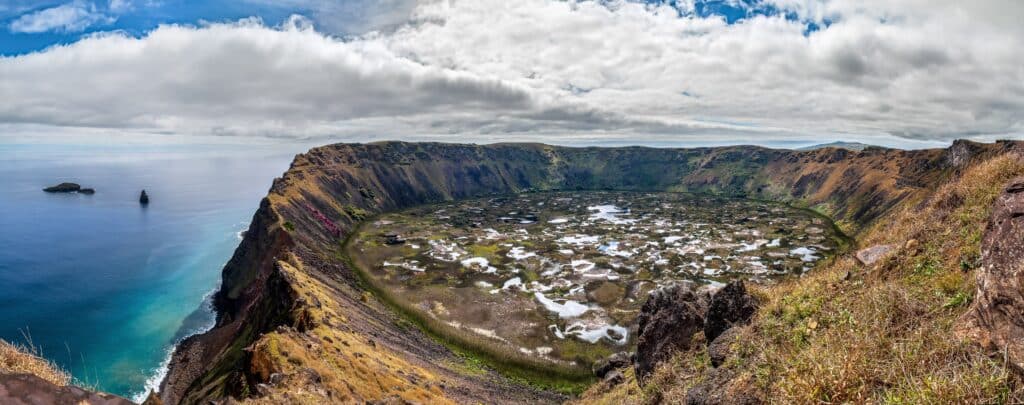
x=23, y=360
x=880, y=334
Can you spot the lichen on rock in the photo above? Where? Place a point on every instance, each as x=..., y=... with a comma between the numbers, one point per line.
x=996, y=319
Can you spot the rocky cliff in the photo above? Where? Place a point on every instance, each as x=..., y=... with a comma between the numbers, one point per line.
x=295, y=324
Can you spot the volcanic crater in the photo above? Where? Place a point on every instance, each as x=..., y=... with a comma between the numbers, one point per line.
x=561, y=276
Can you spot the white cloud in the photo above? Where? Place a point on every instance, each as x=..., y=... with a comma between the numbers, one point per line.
x=120, y=6
x=70, y=17
x=237, y=78
x=350, y=16
x=566, y=72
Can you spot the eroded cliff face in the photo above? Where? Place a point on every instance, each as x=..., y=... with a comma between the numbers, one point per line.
x=294, y=324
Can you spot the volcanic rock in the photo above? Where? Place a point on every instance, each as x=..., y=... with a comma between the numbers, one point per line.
x=607, y=364
x=614, y=377
x=667, y=322
x=720, y=349
x=730, y=306
x=724, y=386
x=996, y=319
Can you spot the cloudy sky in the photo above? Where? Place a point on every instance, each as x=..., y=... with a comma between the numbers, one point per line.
x=686, y=72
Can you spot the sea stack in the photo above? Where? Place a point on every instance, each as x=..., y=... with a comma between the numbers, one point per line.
x=143, y=198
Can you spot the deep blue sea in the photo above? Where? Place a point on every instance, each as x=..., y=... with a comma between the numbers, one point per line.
x=102, y=285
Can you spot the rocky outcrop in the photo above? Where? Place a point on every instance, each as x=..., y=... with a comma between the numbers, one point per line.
x=27, y=389
x=996, y=318
x=731, y=305
x=611, y=363
x=724, y=386
x=673, y=317
x=668, y=321
x=329, y=190
x=721, y=348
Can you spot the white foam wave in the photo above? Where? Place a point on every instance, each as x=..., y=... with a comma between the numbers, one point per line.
x=157, y=375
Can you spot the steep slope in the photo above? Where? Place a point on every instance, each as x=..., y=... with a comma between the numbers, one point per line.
x=295, y=324
x=20, y=360
x=899, y=330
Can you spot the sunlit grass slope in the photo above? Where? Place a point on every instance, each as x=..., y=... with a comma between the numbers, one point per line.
x=849, y=333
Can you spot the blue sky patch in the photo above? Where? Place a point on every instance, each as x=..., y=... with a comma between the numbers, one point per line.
x=22, y=21
x=32, y=25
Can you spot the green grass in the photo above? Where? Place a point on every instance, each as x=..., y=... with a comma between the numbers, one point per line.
x=489, y=252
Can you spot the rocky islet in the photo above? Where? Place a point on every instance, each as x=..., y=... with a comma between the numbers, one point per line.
x=69, y=188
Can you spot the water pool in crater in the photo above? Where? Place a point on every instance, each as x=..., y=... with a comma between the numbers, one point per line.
x=561, y=276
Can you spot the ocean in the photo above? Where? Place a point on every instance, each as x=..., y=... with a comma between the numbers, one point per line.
x=102, y=285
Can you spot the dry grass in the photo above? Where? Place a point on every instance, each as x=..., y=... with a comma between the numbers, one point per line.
x=16, y=359
x=327, y=362
x=886, y=334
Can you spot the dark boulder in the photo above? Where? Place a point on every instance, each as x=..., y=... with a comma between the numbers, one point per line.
x=996, y=319
x=667, y=322
x=725, y=386
x=720, y=349
x=730, y=306
x=614, y=378
x=143, y=198
x=63, y=188
x=607, y=364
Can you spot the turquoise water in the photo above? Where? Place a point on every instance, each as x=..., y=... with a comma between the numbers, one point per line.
x=102, y=285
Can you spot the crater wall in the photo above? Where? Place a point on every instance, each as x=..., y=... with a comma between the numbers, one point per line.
x=287, y=284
